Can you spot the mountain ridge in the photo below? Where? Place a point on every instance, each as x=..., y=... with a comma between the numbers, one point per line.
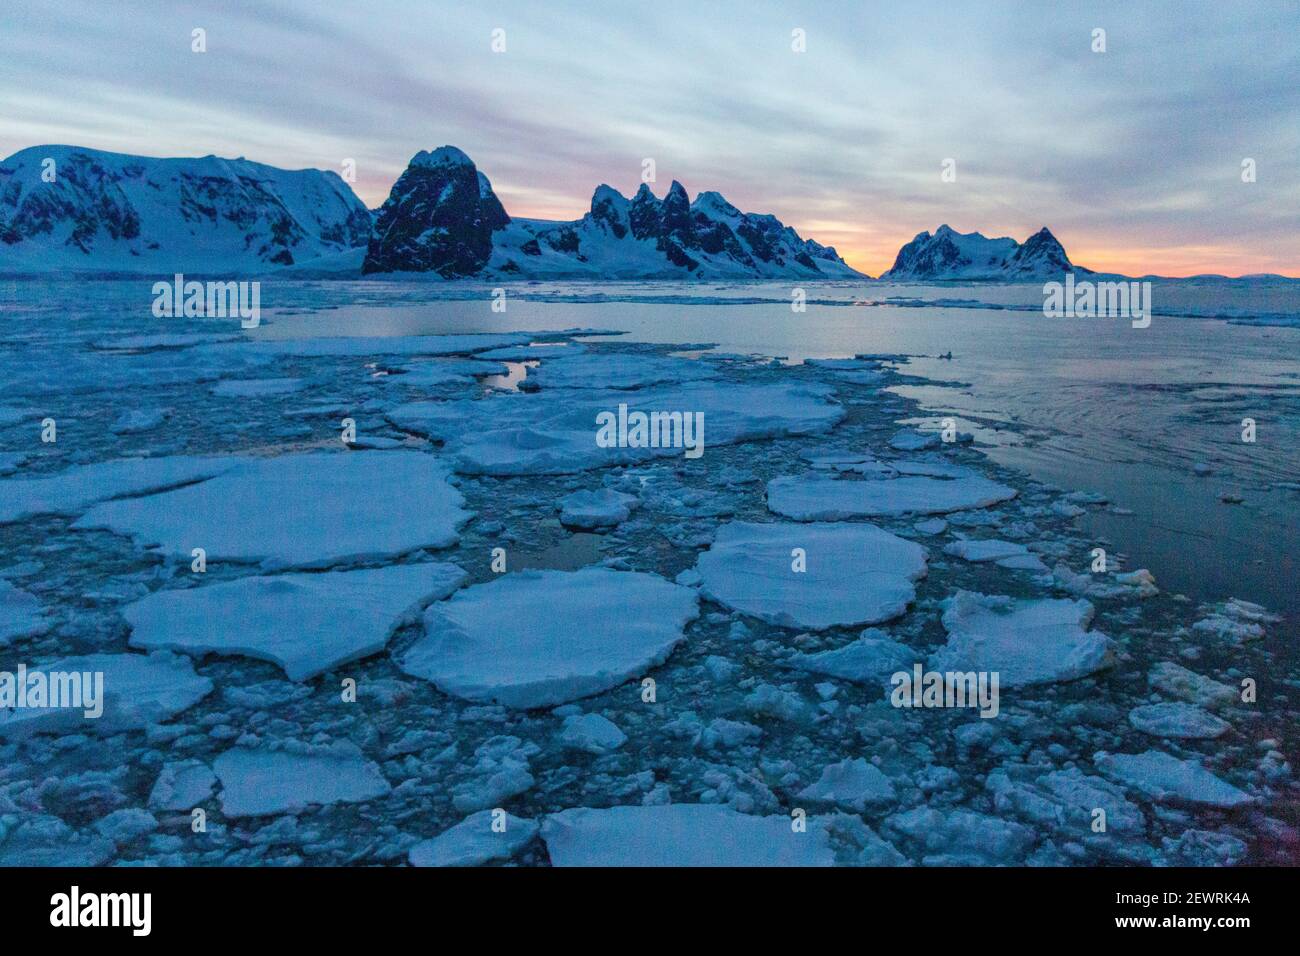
x=443, y=216
x=75, y=208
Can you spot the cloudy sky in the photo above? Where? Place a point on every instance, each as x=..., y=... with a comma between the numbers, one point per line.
x=1133, y=157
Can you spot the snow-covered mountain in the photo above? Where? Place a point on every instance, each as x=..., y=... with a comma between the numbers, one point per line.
x=70, y=208
x=442, y=216
x=949, y=254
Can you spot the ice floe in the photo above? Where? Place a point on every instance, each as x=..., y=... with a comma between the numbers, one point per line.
x=1006, y=554
x=1234, y=620
x=1177, y=681
x=1025, y=641
x=602, y=508
x=291, y=776
x=38, y=839
x=1178, y=720
x=308, y=510
x=554, y=431
x=20, y=614
x=681, y=834
x=818, y=498
x=540, y=638
x=479, y=838
x=957, y=837
x=868, y=660
x=182, y=785
x=812, y=575
x=592, y=733
x=256, y=387
x=138, y=690
x=72, y=491
x=852, y=783
x=1167, y=779
x=616, y=370
x=305, y=623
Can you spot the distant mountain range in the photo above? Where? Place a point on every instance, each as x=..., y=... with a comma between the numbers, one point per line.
x=68, y=208
x=72, y=209
x=949, y=254
x=443, y=217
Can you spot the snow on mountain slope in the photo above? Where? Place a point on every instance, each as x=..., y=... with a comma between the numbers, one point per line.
x=440, y=217
x=443, y=217
x=949, y=254
x=71, y=208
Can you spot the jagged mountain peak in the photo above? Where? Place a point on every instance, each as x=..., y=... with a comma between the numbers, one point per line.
x=442, y=156
x=949, y=254
x=439, y=217
x=713, y=203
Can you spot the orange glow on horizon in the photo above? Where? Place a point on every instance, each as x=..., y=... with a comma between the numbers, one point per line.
x=872, y=250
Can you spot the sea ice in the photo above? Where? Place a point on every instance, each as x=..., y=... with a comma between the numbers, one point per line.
x=853, y=574
x=818, y=498
x=1025, y=641
x=873, y=656
x=266, y=780
x=989, y=549
x=308, y=510
x=182, y=785
x=852, y=783
x=433, y=372
x=592, y=733
x=1177, y=720
x=1169, y=780
x=1234, y=620
x=38, y=839
x=681, y=834
x=474, y=841
x=256, y=387
x=955, y=837
x=139, y=690
x=619, y=370
x=909, y=440
x=305, y=623
x=72, y=491
x=1177, y=681
x=20, y=614
x=603, y=508
x=554, y=431
x=541, y=638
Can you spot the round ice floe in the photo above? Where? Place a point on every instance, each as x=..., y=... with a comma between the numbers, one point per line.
x=305, y=623
x=540, y=638
x=818, y=498
x=852, y=574
x=310, y=510
x=1024, y=641
x=681, y=834
x=602, y=508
